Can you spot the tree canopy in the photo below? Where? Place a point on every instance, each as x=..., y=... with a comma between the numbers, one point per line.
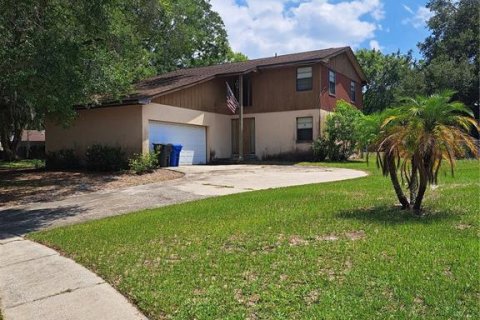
x=389, y=76
x=450, y=60
x=55, y=54
x=451, y=51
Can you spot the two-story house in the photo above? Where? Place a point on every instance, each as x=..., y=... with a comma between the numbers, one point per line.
x=286, y=100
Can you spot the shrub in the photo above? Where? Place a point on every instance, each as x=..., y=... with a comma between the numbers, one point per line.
x=341, y=131
x=143, y=163
x=38, y=163
x=320, y=149
x=105, y=158
x=293, y=156
x=64, y=159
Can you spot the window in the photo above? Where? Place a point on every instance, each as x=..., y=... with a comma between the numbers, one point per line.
x=332, y=82
x=304, y=129
x=247, y=89
x=304, y=79
x=352, y=91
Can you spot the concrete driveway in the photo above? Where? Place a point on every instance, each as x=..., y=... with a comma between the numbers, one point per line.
x=199, y=182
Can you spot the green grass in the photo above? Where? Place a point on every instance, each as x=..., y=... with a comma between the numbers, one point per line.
x=22, y=164
x=263, y=254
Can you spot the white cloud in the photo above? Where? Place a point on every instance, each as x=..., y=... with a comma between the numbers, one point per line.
x=262, y=28
x=409, y=10
x=418, y=18
x=374, y=44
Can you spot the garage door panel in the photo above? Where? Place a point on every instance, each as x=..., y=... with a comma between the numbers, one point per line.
x=192, y=138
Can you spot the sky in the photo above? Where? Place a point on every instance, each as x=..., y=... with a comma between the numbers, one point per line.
x=262, y=28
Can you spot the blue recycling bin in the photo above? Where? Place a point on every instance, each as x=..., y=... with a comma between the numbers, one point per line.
x=175, y=155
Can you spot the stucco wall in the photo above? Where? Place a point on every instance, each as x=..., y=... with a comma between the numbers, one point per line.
x=218, y=126
x=114, y=126
x=276, y=132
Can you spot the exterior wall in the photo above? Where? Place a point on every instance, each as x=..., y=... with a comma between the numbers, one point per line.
x=342, y=91
x=209, y=96
x=114, y=126
x=342, y=64
x=272, y=90
x=275, y=90
x=218, y=126
x=276, y=132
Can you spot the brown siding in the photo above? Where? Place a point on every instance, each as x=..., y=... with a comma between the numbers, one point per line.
x=276, y=90
x=273, y=90
x=208, y=96
x=114, y=126
x=342, y=65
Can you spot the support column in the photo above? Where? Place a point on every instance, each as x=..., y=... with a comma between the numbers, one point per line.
x=240, y=101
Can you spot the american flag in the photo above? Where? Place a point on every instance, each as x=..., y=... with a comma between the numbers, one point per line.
x=232, y=102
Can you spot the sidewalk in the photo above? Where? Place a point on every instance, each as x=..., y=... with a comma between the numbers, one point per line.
x=36, y=283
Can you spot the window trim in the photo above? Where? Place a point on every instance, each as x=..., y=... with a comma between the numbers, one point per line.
x=335, y=82
x=296, y=129
x=311, y=79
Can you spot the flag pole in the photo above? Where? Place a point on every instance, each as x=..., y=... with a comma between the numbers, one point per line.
x=240, y=101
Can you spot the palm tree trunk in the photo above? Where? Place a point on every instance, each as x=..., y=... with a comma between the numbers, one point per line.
x=413, y=184
x=392, y=169
x=422, y=187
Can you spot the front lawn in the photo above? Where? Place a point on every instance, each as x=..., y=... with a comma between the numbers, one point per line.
x=330, y=251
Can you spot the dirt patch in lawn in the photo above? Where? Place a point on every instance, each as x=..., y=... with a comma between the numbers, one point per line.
x=27, y=186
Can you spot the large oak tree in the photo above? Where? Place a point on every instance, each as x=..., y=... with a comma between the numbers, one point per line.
x=55, y=54
x=452, y=50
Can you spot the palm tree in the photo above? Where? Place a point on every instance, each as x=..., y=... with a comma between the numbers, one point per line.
x=417, y=137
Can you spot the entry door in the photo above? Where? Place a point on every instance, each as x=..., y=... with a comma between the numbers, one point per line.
x=248, y=136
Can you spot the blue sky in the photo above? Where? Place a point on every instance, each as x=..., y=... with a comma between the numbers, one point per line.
x=261, y=28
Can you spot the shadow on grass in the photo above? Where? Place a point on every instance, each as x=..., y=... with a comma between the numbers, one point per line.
x=395, y=215
x=22, y=221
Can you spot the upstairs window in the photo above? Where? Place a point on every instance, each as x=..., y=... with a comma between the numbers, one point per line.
x=305, y=129
x=304, y=79
x=332, y=82
x=247, y=89
x=353, y=91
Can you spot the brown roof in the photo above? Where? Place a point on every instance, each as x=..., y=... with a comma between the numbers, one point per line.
x=175, y=80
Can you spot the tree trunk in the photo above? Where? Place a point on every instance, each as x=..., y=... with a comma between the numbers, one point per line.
x=10, y=146
x=392, y=169
x=413, y=184
x=422, y=187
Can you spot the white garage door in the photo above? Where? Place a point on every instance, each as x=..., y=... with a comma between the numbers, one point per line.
x=192, y=138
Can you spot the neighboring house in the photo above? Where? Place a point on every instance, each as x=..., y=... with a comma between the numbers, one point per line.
x=32, y=144
x=286, y=100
